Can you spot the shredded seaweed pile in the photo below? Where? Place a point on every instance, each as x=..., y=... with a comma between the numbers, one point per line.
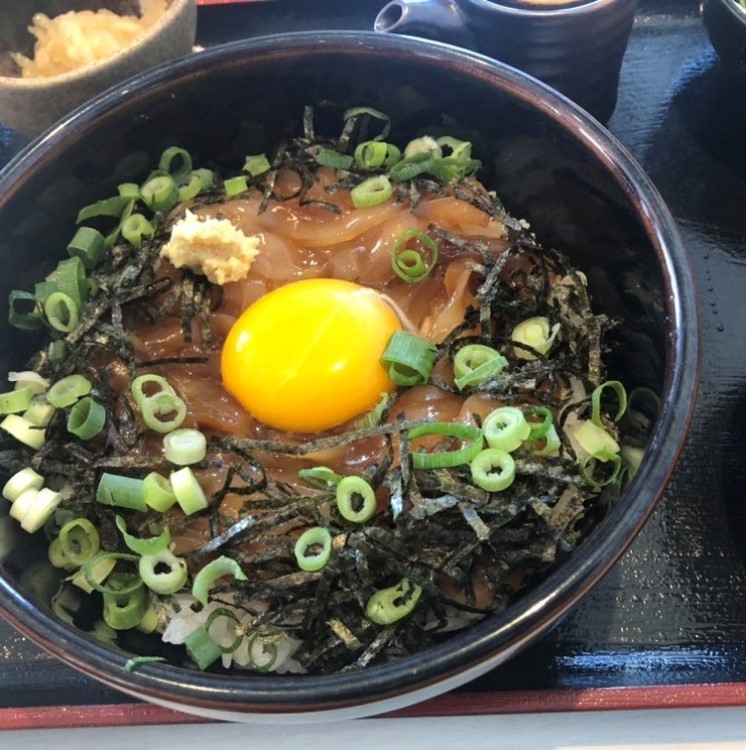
x=470, y=551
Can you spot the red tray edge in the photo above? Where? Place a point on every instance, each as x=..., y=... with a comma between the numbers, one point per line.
x=460, y=704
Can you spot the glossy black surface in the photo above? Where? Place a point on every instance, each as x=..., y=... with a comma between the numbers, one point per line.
x=673, y=610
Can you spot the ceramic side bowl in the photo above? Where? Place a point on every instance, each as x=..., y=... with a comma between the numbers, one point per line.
x=725, y=21
x=551, y=164
x=30, y=105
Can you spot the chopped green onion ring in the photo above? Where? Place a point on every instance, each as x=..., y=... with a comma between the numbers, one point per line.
x=201, y=648
x=493, y=470
x=473, y=364
x=24, y=431
x=212, y=572
x=371, y=154
x=121, y=492
x=328, y=158
x=25, y=479
x=411, y=262
x=119, y=584
x=160, y=193
x=164, y=403
x=179, y=156
x=621, y=395
x=372, y=192
x=124, y=611
x=159, y=494
x=321, y=477
x=135, y=227
x=262, y=651
x=355, y=112
x=185, y=446
x=86, y=419
x=189, y=493
x=590, y=463
x=356, y=500
x=88, y=244
x=390, y=605
x=228, y=615
x=16, y=401
x=538, y=430
x=447, y=459
x=408, y=358
x=235, y=186
x=313, y=549
x=79, y=541
x=257, y=165
x=163, y=572
x=66, y=391
x=506, y=428
x=61, y=311
x=151, y=546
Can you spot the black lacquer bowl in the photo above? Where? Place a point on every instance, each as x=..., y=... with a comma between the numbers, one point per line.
x=551, y=164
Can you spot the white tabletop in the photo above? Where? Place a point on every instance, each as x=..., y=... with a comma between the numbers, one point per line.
x=667, y=729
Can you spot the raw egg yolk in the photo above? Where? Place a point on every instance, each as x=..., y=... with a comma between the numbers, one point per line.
x=305, y=356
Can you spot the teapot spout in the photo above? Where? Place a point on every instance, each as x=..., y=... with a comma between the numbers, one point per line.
x=440, y=20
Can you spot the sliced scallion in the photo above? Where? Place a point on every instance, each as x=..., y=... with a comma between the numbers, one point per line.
x=124, y=611
x=89, y=245
x=160, y=193
x=185, y=446
x=235, y=186
x=355, y=112
x=150, y=546
x=356, y=499
x=371, y=154
x=313, y=549
x=79, y=541
x=493, y=470
x=447, y=459
x=506, y=428
x=390, y=605
x=535, y=333
x=135, y=227
x=163, y=572
x=212, y=572
x=321, y=477
x=621, y=397
x=18, y=400
x=328, y=158
x=408, y=358
x=25, y=479
x=189, y=494
x=24, y=431
x=201, y=648
x=177, y=162
x=66, y=391
x=413, y=256
x=233, y=624
x=86, y=419
x=121, y=492
x=372, y=192
x=24, y=311
x=474, y=364
x=256, y=165
x=162, y=410
x=159, y=494
x=61, y=312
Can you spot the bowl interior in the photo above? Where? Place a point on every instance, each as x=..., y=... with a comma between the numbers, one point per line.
x=549, y=163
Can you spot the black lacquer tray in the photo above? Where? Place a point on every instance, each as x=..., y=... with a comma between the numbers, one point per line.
x=668, y=623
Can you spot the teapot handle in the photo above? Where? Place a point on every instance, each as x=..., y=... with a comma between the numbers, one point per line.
x=440, y=20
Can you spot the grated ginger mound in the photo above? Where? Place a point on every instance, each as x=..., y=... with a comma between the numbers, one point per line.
x=213, y=247
x=74, y=39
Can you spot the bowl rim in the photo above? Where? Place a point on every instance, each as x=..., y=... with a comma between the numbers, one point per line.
x=485, y=644
x=174, y=11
